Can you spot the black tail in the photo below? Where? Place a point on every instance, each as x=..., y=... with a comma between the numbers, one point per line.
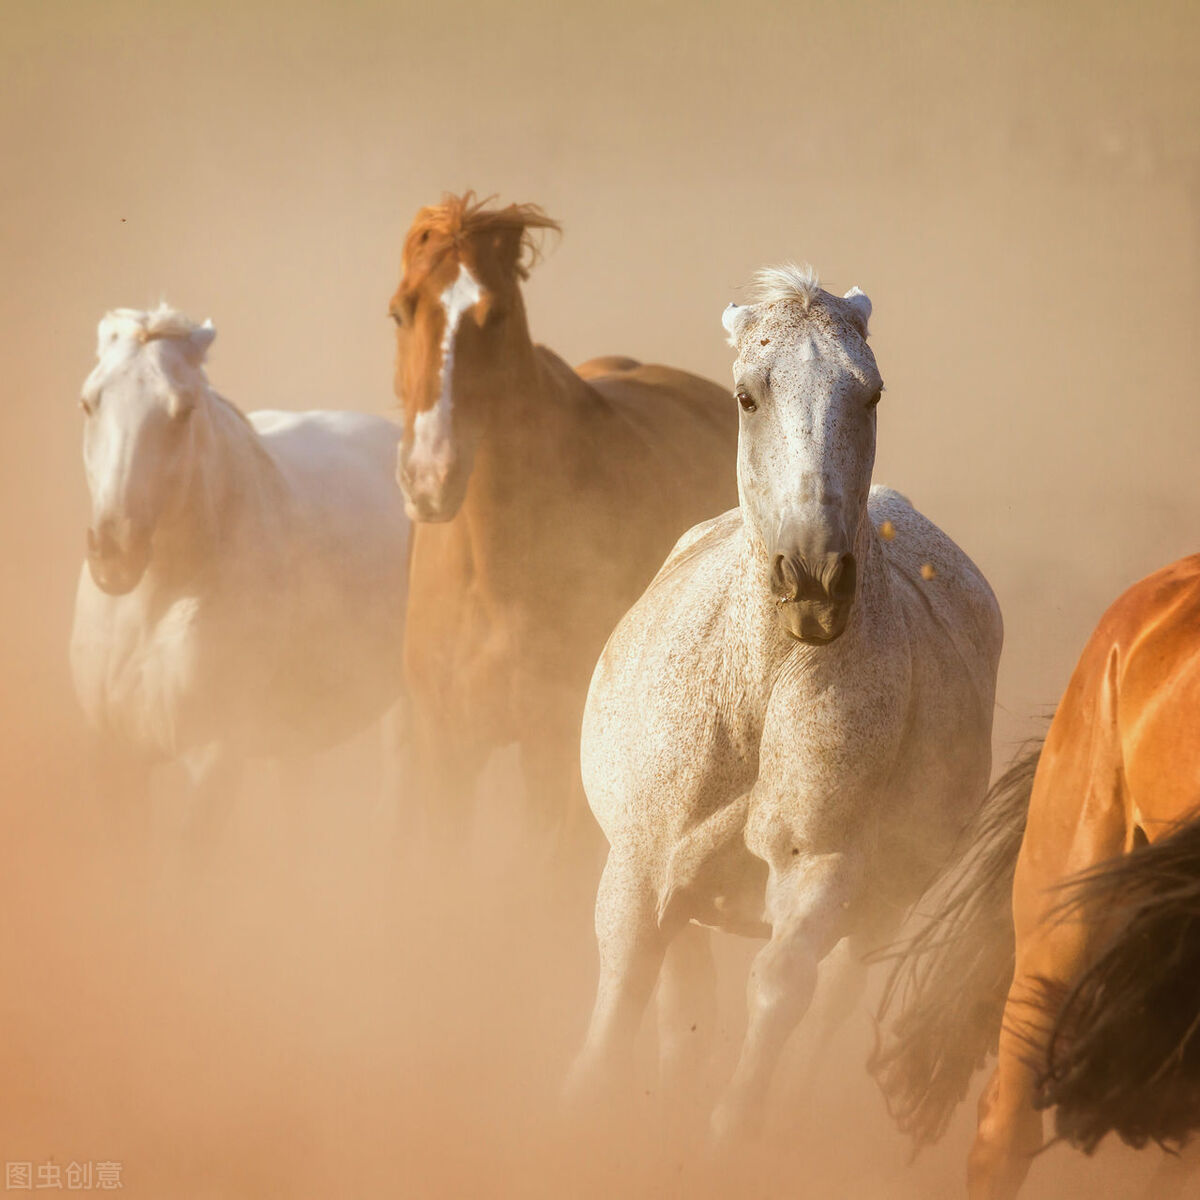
x=940, y=1014
x=1124, y=1055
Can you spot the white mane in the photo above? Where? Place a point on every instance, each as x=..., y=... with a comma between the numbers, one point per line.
x=787, y=282
x=162, y=322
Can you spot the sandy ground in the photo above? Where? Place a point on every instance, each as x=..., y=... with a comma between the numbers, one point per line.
x=319, y=1012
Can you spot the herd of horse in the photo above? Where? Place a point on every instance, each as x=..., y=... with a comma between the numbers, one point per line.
x=772, y=681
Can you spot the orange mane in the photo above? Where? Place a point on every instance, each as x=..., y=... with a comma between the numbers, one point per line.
x=458, y=218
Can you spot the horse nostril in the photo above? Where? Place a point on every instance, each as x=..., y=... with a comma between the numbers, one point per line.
x=105, y=540
x=785, y=581
x=844, y=578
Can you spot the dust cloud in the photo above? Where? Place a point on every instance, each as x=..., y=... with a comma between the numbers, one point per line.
x=321, y=1011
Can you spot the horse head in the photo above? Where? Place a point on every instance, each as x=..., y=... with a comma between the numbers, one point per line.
x=457, y=306
x=807, y=385
x=137, y=402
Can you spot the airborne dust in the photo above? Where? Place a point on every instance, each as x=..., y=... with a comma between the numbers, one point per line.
x=321, y=1011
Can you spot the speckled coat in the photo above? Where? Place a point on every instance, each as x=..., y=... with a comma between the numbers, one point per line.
x=749, y=781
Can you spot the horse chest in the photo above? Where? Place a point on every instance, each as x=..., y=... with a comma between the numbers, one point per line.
x=499, y=629
x=490, y=663
x=168, y=677
x=144, y=672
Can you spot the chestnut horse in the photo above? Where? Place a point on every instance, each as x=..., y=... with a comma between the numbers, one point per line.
x=545, y=499
x=1097, y=1003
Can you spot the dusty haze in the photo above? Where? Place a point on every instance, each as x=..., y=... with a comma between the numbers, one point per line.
x=1017, y=189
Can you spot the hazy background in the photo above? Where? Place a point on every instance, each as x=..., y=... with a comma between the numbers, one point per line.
x=1017, y=187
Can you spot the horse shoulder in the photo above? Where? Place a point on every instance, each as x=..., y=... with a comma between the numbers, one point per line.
x=704, y=536
x=685, y=595
x=936, y=575
x=1121, y=739
x=94, y=628
x=137, y=668
x=1164, y=603
x=1151, y=638
x=655, y=705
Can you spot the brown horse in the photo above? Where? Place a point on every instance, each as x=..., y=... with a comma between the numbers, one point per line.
x=1101, y=1017
x=545, y=500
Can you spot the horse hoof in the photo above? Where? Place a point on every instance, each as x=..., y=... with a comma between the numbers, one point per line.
x=587, y=1084
x=732, y=1125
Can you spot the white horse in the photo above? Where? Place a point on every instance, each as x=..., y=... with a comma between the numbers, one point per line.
x=245, y=583
x=784, y=736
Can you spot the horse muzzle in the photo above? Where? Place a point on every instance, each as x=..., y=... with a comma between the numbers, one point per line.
x=432, y=496
x=116, y=557
x=814, y=594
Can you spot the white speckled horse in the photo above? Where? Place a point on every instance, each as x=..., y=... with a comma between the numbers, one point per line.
x=244, y=575
x=784, y=736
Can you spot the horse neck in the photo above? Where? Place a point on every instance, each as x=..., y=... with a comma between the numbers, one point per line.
x=229, y=483
x=524, y=387
x=535, y=424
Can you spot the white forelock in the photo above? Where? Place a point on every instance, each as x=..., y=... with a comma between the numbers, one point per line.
x=161, y=322
x=788, y=281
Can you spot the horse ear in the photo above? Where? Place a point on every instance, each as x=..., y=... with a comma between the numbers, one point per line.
x=199, y=340
x=504, y=247
x=733, y=317
x=860, y=308
x=104, y=334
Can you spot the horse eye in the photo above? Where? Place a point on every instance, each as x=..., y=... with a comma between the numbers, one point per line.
x=403, y=310
x=86, y=405
x=746, y=401
x=874, y=400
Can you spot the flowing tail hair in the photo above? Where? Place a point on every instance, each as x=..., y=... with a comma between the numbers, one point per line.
x=1124, y=1052
x=940, y=1015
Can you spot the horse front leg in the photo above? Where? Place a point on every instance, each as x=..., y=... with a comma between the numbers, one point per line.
x=1050, y=954
x=1051, y=951
x=807, y=899
x=119, y=782
x=395, y=769
x=1009, y=1133
x=841, y=987
x=631, y=949
x=687, y=1018
x=215, y=777
x=445, y=763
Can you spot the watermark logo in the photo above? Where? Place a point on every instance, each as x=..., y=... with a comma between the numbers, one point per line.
x=74, y=1177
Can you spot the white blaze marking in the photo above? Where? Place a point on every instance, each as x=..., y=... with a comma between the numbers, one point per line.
x=807, y=350
x=106, y=452
x=431, y=429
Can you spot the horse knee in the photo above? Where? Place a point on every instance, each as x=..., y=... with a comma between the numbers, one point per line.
x=1007, y=1137
x=987, y=1100
x=631, y=952
x=783, y=979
